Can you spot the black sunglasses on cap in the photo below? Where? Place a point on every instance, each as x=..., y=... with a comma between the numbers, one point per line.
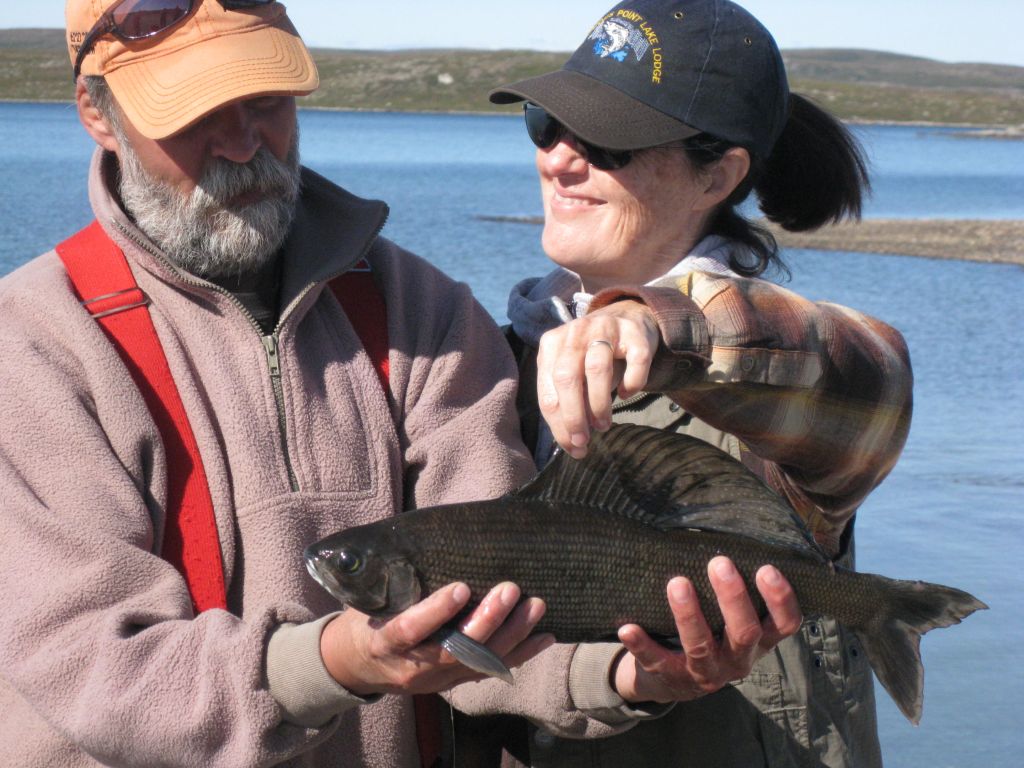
x=141, y=19
x=545, y=131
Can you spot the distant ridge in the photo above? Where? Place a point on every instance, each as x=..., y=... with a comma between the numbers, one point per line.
x=32, y=38
x=864, y=66
x=855, y=84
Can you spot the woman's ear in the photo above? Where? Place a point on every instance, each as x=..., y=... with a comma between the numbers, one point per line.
x=96, y=123
x=724, y=176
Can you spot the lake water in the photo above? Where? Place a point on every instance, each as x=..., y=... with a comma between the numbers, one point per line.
x=953, y=509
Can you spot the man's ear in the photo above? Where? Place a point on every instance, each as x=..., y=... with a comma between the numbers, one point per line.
x=724, y=176
x=96, y=123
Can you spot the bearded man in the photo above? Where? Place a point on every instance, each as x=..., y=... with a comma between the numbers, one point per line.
x=136, y=631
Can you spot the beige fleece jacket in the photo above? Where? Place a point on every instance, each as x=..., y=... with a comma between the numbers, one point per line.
x=101, y=658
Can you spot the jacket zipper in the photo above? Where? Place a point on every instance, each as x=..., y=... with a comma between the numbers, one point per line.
x=270, y=342
x=621, y=405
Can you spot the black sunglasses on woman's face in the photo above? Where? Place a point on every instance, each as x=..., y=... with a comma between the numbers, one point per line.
x=141, y=19
x=545, y=131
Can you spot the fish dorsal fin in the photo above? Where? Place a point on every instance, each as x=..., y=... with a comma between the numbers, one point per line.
x=669, y=480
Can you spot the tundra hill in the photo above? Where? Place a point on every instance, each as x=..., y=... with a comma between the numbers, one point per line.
x=878, y=86
x=853, y=65
x=854, y=84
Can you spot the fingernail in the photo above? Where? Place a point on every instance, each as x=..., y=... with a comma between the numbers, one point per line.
x=509, y=595
x=771, y=574
x=724, y=569
x=537, y=609
x=679, y=590
x=579, y=439
x=460, y=594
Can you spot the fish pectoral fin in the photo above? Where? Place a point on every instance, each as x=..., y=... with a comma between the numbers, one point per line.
x=474, y=655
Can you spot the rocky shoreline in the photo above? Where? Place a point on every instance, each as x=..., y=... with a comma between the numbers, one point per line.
x=993, y=241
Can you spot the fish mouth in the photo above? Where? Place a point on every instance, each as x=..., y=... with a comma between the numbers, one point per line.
x=321, y=573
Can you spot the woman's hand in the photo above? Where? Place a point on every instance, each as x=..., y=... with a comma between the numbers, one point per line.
x=580, y=365
x=649, y=671
x=369, y=656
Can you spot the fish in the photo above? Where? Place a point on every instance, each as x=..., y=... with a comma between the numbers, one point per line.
x=599, y=538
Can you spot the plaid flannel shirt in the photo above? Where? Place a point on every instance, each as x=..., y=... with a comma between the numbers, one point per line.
x=819, y=394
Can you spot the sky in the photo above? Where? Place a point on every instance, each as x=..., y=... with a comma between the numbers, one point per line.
x=948, y=30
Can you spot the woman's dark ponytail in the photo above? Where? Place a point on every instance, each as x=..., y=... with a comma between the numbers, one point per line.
x=815, y=175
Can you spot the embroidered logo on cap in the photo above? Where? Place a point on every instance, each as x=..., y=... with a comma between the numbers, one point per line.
x=624, y=31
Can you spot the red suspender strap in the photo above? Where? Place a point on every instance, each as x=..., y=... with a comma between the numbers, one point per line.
x=104, y=283
x=364, y=306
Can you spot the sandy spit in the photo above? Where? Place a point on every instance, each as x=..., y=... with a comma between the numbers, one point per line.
x=996, y=241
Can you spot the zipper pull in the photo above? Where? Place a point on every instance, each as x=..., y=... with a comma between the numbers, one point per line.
x=270, y=345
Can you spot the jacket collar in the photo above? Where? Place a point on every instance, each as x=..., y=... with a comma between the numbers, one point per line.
x=536, y=305
x=333, y=229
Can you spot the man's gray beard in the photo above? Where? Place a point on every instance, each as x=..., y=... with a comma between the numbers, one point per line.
x=196, y=231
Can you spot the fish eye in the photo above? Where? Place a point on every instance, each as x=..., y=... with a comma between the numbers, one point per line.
x=349, y=561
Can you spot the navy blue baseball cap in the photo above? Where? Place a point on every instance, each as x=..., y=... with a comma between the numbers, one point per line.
x=655, y=71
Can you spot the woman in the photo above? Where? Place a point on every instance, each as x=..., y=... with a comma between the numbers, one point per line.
x=647, y=141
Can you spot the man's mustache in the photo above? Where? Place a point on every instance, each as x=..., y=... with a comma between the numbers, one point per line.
x=223, y=180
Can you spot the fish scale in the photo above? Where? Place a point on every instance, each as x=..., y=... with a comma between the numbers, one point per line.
x=547, y=557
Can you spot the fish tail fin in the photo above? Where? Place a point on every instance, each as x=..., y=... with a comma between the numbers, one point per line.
x=892, y=637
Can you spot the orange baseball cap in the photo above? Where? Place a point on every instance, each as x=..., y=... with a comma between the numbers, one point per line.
x=213, y=57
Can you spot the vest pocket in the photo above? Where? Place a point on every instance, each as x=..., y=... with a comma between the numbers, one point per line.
x=782, y=713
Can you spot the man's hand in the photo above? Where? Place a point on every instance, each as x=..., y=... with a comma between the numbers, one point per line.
x=648, y=671
x=580, y=365
x=370, y=656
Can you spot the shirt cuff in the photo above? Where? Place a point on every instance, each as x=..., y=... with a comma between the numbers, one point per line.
x=590, y=674
x=685, y=350
x=299, y=681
